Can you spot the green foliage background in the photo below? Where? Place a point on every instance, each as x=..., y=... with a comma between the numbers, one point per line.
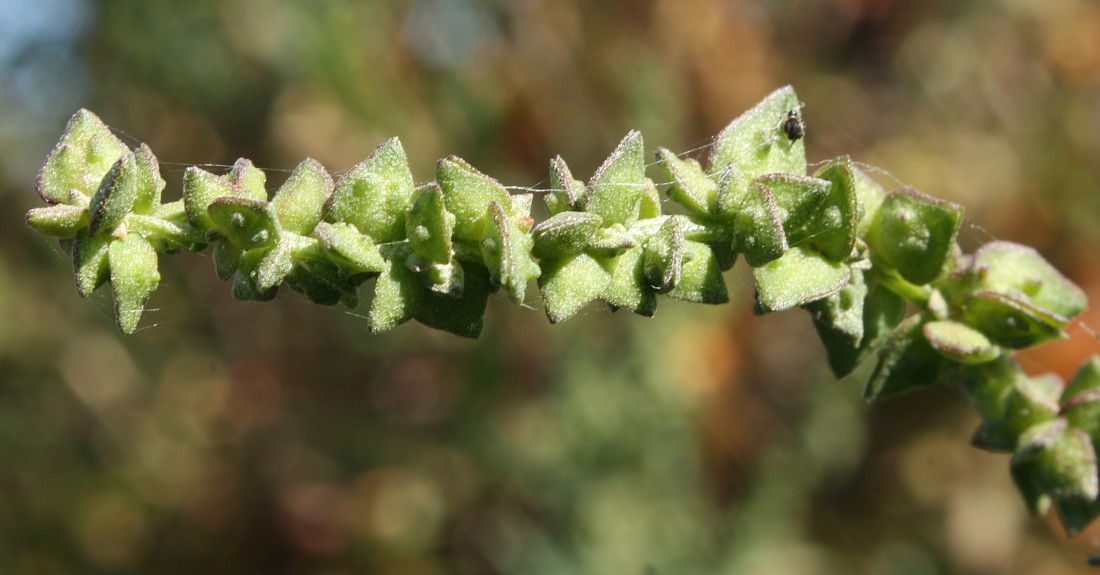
x=284, y=438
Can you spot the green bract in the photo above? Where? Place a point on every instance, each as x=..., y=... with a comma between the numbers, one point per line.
x=115, y=196
x=429, y=226
x=467, y=194
x=1012, y=295
x=134, y=276
x=564, y=234
x=374, y=195
x=755, y=143
x=616, y=190
x=300, y=202
x=798, y=277
x=833, y=228
x=690, y=187
x=960, y=342
x=855, y=320
x=569, y=284
x=906, y=361
x=244, y=223
x=506, y=250
x=347, y=249
x=915, y=234
x=833, y=242
x=60, y=221
x=86, y=151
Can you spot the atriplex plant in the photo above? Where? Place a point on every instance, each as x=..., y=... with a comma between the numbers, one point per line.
x=834, y=243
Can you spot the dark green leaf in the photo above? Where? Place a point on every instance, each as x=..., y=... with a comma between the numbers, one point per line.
x=1076, y=514
x=463, y=316
x=227, y=258
x=881, y=311
x=245, y=286
x=906, y=362
x=1083, y=411
x=400, y=295
x=1056, y=460
x=842, y=312
x=989, y=385
x=724, y=253
x=323, y=283
x=313, y=287
x=1009, y=402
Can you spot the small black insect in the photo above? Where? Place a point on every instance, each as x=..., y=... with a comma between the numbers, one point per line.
x=793, y=126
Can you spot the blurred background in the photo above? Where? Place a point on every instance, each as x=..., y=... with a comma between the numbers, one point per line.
x=235, y=438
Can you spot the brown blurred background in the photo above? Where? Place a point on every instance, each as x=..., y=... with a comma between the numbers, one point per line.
x=237, y=438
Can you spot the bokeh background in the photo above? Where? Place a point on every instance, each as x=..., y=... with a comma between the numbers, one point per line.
x=235, y=438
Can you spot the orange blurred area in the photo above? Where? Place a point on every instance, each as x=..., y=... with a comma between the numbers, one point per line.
x=227, y=437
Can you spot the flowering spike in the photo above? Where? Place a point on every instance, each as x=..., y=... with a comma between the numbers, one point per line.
x=835, y=243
